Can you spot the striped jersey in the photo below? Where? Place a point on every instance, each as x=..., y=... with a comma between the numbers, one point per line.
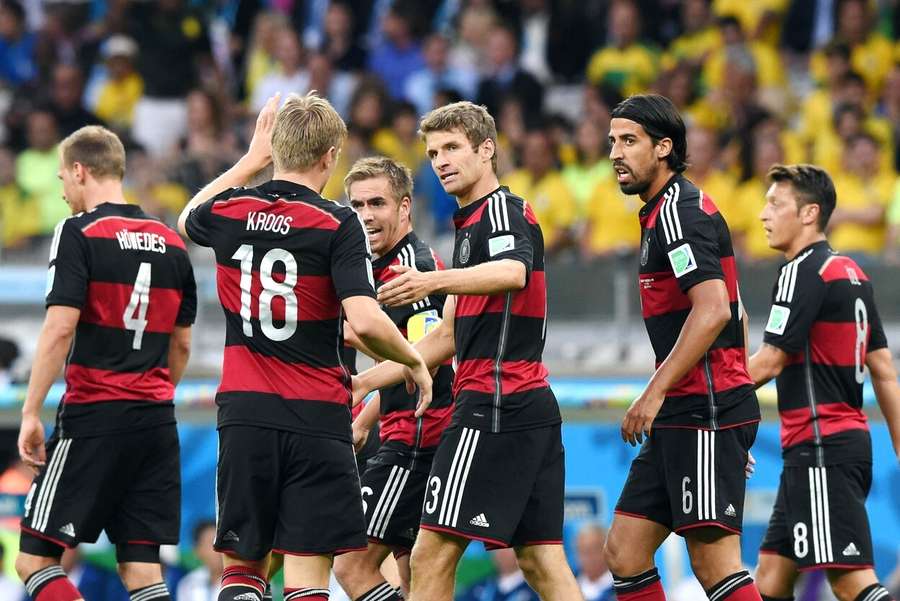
x=824, y=317
x=501, y=382
x=285, y=259
x=401, y=431
x=685, y=241
x=131, y=277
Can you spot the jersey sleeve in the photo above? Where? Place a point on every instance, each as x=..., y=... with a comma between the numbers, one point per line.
x=200, y=225
x=877, y=338
x=351, y=260
x=796, y=301
x=187, y=312
x=510, y=233
x=69, y=271
x=690, y=239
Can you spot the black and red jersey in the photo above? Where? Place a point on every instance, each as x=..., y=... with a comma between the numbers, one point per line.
x=285, y=259
x=824, y=317
x=131, y=277
x=401, y=431
x=501, y=382
x=685, y=241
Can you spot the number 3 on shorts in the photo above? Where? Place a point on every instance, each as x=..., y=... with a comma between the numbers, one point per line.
x=434, y=489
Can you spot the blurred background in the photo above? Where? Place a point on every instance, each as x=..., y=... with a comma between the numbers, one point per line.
x=758, y=82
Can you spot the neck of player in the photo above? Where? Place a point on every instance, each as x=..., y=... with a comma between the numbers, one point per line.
x=662, y=176
x=481, y=188
x=314, y=180
x=806, y=237
x=99, y=192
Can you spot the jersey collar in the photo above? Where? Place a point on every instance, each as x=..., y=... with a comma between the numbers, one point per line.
x=651, y=205
x=281, y=188
x=463, y=213
x=815, y=245
x=386, y=259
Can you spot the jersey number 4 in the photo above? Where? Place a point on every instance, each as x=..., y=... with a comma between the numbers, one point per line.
x=270, y=290
x=135, y=316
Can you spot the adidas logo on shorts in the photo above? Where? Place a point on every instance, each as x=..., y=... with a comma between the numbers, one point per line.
x=231, y=536
x=247, y=597
x=68, y=530
x=729, y=511
x=480, y=520
x=850, y=551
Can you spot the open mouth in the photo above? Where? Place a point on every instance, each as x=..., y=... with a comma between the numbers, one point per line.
x=448, y=176
x=622, y=172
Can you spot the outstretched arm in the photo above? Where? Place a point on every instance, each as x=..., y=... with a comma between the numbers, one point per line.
x=493, y=277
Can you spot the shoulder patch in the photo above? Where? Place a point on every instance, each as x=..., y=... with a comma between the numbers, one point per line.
x=778, y=318
x=501, y=244
x=682, y=260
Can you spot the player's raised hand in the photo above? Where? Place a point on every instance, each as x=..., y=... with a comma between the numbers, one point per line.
x=260, y=150
x=419, y=376
x=31, y=442
x=639, y=417
x=408, y=287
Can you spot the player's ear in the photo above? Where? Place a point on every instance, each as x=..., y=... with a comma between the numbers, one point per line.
x=809, y=215
x=331, y=157
x=487, y=149
x=663, y=148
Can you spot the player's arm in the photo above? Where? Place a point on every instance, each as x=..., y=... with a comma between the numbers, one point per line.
x=887, y=391
x=493, y=277
x=767, y=363
x=377, y=332
x=53, y=346
x=438, y=346
x=352, y=339
x=257, y=158
x=179, y=352
x=365, y=421
x=710, y=312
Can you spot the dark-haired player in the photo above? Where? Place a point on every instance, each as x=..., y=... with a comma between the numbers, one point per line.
x=120, y=302
x=394, y=481
x=822, y=332
x=498, y=473
x=291, y=266
x=698, y=415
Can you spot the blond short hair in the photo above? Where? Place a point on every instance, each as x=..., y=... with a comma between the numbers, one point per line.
x=306, y=127
x=398, y=175
x=98, y=149
x=471, y=119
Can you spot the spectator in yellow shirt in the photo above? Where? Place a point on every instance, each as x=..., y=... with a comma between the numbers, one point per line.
x=19, y=215
x=769, y=70
x=750, y=198
x=761, y=19
x=123, y=87
x=540, y=183
x=704, y=154
x=37, y=170
x=611, y=226
x=625, y=63
x=401, y=141
x=591, y=165
x=699, y=37
x=872, y=54
x=851, y=120
x=864, y=191
x=817, y=110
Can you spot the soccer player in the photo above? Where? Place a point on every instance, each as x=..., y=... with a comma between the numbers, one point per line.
x=393, y=487
x=290, y=267
x=498, y=473
x=823, y=331
x=121, y=299
x=698, y=415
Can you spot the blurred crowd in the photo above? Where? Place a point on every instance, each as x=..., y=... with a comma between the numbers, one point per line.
x=758, y=83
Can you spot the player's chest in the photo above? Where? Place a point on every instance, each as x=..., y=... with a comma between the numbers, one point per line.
x=468, y=249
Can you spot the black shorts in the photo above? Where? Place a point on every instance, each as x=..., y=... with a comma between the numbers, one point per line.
x=505, y=489
x=392, y=501
x=128, y=484
x=685, y=478
x=286, y=492
x=819, y=519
